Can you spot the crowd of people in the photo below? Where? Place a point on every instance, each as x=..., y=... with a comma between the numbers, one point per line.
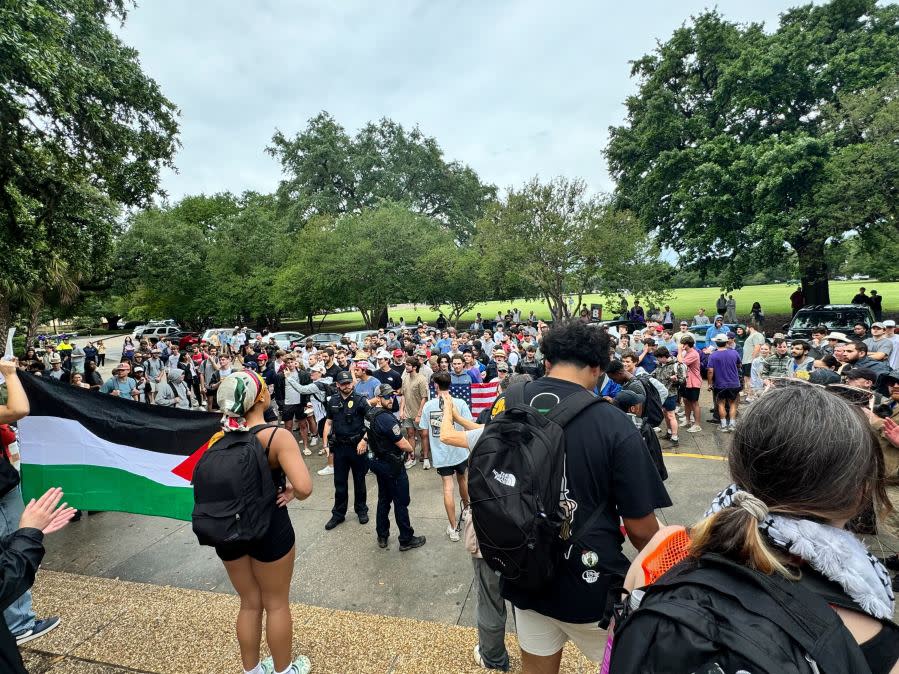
x=386, y=403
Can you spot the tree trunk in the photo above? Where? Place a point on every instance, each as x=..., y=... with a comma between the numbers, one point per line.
x=33, y=322
x=5, y=322
x=813, y=272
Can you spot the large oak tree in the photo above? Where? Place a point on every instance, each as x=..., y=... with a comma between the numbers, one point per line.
x=743, y=147
x=83, y=131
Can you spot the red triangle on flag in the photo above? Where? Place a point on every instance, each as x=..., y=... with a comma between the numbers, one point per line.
x=185, y=469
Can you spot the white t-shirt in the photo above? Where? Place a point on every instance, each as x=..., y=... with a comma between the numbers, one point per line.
x=431, y=417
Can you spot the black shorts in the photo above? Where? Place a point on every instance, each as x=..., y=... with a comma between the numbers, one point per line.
x=727, y=393
x=276, y=543
x=291, y=412
x=459, y=469
x=690, y=393
x=747, y=369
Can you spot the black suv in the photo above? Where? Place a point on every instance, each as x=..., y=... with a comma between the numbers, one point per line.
x=835, y=317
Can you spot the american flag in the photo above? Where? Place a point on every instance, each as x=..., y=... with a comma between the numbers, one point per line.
x=478, y=396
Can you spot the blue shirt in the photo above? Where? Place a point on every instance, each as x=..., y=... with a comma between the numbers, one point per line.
x=712, y=331
x=443, y=345
x=369, y=388
x=123, y=387
x=431, y=417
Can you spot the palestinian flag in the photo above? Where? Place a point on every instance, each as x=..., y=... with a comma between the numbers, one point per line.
x=108, y=453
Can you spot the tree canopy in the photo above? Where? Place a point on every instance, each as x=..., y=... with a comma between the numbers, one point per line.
x=82, y=131
x=328, y=172
x=552, y=240
x=742, y=145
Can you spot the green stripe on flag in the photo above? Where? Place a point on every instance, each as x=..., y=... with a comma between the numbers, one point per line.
x=102, y=488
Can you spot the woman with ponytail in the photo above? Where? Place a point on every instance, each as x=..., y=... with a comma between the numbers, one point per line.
x=261, y=571
x=803, y=462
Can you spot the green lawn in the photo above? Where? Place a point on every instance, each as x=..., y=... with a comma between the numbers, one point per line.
x=684, y=302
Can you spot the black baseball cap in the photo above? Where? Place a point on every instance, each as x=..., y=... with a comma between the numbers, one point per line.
x=343, y=377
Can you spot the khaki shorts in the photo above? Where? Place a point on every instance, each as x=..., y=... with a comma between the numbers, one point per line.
x=409, y=423
x=544, y=636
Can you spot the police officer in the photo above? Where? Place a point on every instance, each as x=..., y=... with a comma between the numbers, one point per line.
x=344, y=434
x=386, y=453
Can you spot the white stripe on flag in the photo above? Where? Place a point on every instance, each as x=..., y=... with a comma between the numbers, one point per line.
x=64, y=442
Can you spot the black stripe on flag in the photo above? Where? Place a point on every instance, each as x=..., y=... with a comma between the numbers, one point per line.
x=166, y=430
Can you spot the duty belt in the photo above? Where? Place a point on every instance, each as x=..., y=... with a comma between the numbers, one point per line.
x=348, y=439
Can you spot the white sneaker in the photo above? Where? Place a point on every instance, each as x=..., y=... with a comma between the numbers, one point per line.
x=657, y=429
x=478, y=660
x=307, y=451
x=426, y=464
x=411, y=462
x=314, y=441
x=452, y=533
x=327, y=470
x=695, y=428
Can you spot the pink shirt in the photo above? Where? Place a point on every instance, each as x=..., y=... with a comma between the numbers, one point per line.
x=691, y=360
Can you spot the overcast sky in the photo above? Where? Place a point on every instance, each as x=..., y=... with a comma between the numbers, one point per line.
x=514, y=89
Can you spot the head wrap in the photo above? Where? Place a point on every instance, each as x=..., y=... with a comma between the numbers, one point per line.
x=175, y=375
x=237, y=393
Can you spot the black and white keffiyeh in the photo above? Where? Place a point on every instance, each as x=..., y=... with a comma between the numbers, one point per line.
x=835, y=553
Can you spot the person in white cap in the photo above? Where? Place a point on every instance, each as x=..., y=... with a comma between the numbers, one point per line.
x=879, y=346
x=890, y=333
x=723, y=374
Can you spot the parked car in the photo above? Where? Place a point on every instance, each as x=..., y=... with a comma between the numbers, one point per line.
x=699, y=332
x=157, y=331
x=320, y=339
x=286, y=338
x=186, y=339
x=359, y=335
x=130, y=326
x=834, y=317
x=630, y=325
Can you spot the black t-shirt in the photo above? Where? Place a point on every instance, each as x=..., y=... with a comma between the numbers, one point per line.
x=393, y=378
x=606, y=466
x=334, y=370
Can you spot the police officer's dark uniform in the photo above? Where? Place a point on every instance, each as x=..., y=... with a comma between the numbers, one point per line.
x=347, y=417
x=387, y=463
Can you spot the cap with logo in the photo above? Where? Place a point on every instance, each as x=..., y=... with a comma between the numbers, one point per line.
x=385, y=390
x=398, y=353
x=343, y=377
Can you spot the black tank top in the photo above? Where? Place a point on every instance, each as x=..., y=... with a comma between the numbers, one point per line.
x=882, y=650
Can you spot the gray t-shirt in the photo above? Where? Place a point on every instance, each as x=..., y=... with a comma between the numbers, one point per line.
x=756, y=338
x=882, y=345
x=472, y=436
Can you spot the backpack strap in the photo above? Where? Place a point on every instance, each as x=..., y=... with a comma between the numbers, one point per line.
x=570, y=407
x=261, y=427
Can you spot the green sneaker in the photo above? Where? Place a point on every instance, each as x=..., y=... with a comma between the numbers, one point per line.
x=299, y=666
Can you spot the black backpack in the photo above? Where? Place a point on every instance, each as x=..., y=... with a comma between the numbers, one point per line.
x=652, y=408
x=234, y=494
x=715, y=616
x=515, y=484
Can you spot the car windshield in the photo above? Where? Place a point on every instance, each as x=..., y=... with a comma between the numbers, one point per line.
x=839, y=318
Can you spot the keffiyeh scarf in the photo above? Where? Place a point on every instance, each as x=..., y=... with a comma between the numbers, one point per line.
x=835, y=553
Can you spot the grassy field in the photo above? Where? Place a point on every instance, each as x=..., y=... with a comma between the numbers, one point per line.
x=775, y=300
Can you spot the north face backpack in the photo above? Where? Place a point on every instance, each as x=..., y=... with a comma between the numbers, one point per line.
x=713, y=616
x=234, y=495
x=515, y=484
